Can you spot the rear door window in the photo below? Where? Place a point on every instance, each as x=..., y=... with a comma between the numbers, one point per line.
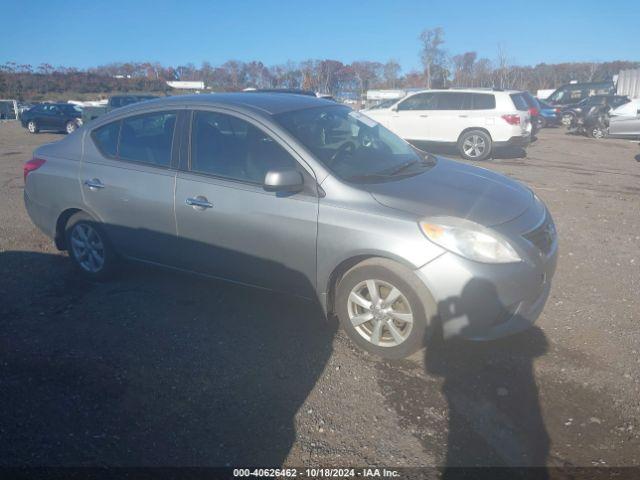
x=148, y=138
x=106, y=139
x=451, y=100
x=483, y=101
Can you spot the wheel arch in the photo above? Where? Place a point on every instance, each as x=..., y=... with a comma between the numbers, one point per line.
x=61, y=223
x=471, y=129
x=344, y=266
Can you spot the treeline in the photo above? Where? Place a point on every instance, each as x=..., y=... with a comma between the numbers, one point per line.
x=440, y=69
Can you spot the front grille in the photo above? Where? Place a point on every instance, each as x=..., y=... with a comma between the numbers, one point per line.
x=543, y=236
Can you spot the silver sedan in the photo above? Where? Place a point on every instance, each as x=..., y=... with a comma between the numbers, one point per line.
x=301, y=195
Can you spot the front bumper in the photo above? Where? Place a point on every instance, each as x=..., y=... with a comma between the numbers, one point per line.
x=483, y=301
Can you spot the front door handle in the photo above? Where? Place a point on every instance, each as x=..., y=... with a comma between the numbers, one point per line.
x=199, y=202
x=463, y=116
x=94, y=184
x=424, y=115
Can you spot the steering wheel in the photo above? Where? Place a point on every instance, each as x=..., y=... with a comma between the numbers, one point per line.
x=344, y=148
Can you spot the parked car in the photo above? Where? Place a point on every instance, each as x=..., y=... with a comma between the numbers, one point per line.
x=593, y=122
x=573, y=93
x=59, y=117
x=624, y=121
x=302, y=195
x=570, y=113
x=475, y=120
x=534, y=111
x=9, y=109
x=549, y=115
x=116, y=101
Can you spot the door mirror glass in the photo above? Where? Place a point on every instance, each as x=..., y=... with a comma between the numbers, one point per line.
x=283, y=181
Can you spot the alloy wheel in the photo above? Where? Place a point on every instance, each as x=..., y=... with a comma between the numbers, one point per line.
x=380, y=313
x=31, y=126
x=474, y=146
x=71, y=127
x=87, y=248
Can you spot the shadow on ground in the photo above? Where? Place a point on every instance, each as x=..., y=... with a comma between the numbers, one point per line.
x=153, y=368
x=484, y=392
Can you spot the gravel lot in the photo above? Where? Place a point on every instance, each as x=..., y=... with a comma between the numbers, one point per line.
x=159, y=368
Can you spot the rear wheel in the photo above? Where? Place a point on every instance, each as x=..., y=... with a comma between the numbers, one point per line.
x=32, y=126
x=384, y=308
x=474, y=145
x=89, y=247
x=567, y=119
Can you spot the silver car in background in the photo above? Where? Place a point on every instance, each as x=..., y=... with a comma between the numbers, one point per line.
x=305, y=196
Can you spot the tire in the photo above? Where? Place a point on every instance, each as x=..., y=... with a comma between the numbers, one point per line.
x=70, y=127
x=32, y=126
x=474, y=145
x=100, y=265
x=596, y=132
x=542, y=122
x=414, y=301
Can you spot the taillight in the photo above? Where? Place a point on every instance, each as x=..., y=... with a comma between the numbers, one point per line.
x=31, y=165
x=533, y=111
x=557, y=110
x=512, y=119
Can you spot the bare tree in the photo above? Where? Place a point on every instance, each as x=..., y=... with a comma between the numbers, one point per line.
x=502, y=72
x=391, y=72
x=431, y=54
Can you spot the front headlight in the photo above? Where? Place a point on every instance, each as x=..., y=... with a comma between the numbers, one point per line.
x=469, y=239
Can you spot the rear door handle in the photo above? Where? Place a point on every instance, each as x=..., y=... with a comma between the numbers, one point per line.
x=463, y=116
x=424, y=115
x=199, y=202
x=94, y=184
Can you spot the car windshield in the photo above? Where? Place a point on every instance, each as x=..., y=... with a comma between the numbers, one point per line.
x=356, y=148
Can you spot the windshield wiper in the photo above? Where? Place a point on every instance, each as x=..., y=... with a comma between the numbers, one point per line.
x=401, y=168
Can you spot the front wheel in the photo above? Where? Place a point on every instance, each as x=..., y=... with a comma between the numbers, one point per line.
x=597, y=132
x=71, y=126
x=89, y=247
x=384, y=308
x=474, y=145
x=32, y=126
x=567, y=119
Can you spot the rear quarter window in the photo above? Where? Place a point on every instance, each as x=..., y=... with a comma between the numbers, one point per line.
x=483, y=101
x=106, y=139
x=519, y=102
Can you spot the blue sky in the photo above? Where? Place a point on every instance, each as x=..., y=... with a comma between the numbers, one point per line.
x=94, y=32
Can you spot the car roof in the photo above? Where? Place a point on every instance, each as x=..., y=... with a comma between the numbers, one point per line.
x=264, y=102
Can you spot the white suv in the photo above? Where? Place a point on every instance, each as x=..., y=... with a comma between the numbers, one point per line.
x=475, y=120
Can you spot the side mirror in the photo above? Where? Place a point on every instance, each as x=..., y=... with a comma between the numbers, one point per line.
x=289, y=181
x=394, y=108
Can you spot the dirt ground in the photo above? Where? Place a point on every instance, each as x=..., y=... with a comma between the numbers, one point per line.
x=160, y=368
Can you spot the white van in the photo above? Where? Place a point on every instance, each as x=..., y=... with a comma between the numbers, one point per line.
x=475, y=120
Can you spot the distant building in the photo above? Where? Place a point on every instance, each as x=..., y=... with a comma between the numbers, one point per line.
x=629, y=83
x=186, y=85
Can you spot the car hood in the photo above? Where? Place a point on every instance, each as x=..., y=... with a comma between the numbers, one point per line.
x=455, y=189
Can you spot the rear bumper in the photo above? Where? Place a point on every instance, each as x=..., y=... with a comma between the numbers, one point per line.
x=40, y=215
x=515, y=141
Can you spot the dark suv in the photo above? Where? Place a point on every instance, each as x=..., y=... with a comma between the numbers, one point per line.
x=569, y=113
x=60, y=117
